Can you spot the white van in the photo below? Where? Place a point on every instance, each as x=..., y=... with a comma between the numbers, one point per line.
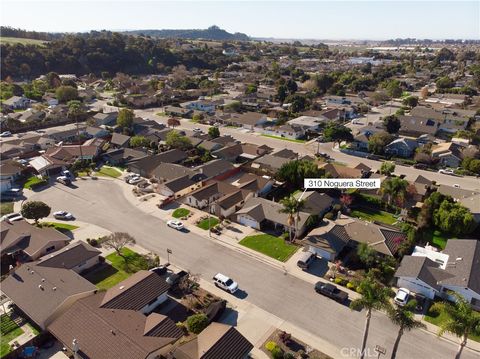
x=227, y=284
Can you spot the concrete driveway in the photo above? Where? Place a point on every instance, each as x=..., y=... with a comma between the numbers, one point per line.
x=103, y=203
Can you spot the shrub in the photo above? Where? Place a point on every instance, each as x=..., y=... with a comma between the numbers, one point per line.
x=288, y=356
x=285, y=337
x=329, y=216
x=197, y=322
x=277, y=353
x=350, y=285
x=340, y=280
x=270, y=346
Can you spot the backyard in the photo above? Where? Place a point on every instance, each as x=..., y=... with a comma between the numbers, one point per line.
x=9, y=330
x=180, y=212
x=436, y=238
x=370, y=214
x=203, y=224
x=118, y=269
x=269, y=245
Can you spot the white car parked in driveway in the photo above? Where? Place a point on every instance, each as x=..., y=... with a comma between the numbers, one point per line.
x=175, y=224
x=63, y=215
x=135, y=180
x=222, y=281
x=402, y=297
x=12, y=217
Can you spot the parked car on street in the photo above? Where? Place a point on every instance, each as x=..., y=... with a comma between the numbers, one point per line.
x=446, y=172
x=12, y=217
x=331, y=291
x=66, y=216
x=402, y=296
x=175, y=224
x=225, y=283
x=196, y=129
x=5, y=134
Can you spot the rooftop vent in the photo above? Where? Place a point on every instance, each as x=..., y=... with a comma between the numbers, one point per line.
x=54, y=289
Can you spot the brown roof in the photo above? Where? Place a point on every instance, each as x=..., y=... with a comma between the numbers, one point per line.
x=21, y=235
x=39, y=291
x=10, y=168
x=217, y=341
x=70, y=256
x=338, y=171
x=135, y=292
x=108, y=334
x=119, y=139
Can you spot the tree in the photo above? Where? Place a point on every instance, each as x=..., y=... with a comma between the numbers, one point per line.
x=282, y=93
x=176, y=140
x=117, y=241
x=293, y=172
x=452, y=217
x=66, y=93
x=462, y=321
x=292, y=207
x=125, y=118
x=35, y=210
x=392, y=123
x=387, y=168
x=291, y=86
x=197, y=322
x=173, y=122
x=251, y=88
x=214, y=132
x=445, y=82
x=403, y=317
x=297, y=102
x=378, y=141
x=337, y=133
x=393, y=88
x=74, y=109
x=323, y=82
x=366, y=254
x=374, y=296
x=139, y=141
x=410, y=101
x=394, y=188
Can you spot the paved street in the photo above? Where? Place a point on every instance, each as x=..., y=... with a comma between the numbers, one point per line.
x=103, y=203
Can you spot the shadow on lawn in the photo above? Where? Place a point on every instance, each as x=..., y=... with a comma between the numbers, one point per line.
x=101, y=273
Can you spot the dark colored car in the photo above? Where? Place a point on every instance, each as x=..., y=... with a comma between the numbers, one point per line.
x=420, y=166
x=161, y=270
x=331, y=291
x=215, y=310
x=174, y=278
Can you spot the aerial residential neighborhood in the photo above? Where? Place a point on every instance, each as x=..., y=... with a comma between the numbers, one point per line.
x=242, y=193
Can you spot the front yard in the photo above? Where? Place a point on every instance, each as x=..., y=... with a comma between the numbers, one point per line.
x=6, y=208
x=180, y=212
x=438, y=318
x=107, y=171
x=204, y=223
x=269, y=245
x=33, y=182
x=370, y=214
x=61, y=227
x=284, y=138
x=9, y=330
x=118, y=270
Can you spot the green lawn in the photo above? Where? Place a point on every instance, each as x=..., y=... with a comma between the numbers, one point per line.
x=33, y=181
x=180, y=212
x=9, y=330
x=274, y=247
x=436, y=238
x=204, y=224
x=438, y=318
x=62, y=227
x=109, y=172
x=118, y=270
x=6, y=208
x=284, y=139
x=18, y=40
x=370, y=214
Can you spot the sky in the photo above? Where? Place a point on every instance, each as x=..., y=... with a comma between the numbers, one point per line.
x=333, y=19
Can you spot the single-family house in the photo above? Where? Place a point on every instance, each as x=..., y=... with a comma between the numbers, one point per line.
x=439, y=274
x=289, y=131
x=217, y=341
x=209, y=193
x=23, y=242
x=317, y=204
x=401, y=147
x=249, y=120
x=178, y=111
x=16, y=102
x=417, y=126
x=104, y=333
x=448, y=154
x=241, y=152
x=45, y=293
x=200, y=105
x=330, y=240
x=120, y=140
x=9, y=172
x=146, y=165
x=178, y=187
x=260, y=213
x=217, y=169
x=96, y=132
x=78, y=256
x=123, y=156
x=105, y=119
x=260, y=185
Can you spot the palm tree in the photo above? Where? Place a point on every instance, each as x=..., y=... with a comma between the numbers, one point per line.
x=292, y=207
x=461, y=321
x=403, y=317
x=374, y=296
x=394, y=188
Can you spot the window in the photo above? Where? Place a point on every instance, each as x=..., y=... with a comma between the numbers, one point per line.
x=49, y=249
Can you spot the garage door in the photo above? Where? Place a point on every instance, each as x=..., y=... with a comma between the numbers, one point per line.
x=248, y=222
x=321, y=253
x=416, y=288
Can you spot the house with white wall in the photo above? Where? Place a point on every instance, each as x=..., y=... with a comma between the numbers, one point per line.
x=440, y=274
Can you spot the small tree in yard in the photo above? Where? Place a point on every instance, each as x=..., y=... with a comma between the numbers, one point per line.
x=173, y=122
x=118, y=241
x=387, y=168
x=197, y=322
x=213, y=132
x=35, y=210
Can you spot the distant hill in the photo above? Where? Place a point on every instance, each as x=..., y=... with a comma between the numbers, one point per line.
x=212, y=33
